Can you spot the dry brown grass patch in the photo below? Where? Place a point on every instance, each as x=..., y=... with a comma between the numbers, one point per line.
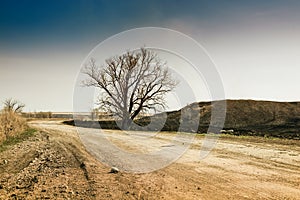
x=11, y=124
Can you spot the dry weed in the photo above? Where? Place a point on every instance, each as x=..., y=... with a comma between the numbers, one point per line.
x=11, y=124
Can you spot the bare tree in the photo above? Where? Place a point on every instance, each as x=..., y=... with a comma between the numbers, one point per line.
x=130, y=83
x=13, y=105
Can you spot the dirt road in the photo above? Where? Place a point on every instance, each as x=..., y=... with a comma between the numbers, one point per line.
x=54, y=164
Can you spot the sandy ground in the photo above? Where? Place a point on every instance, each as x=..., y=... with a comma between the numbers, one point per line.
x=56, y=165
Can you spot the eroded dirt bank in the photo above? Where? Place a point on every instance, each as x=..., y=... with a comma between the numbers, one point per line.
x=55, y=165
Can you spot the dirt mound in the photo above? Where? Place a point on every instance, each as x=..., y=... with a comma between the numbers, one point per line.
x=243, y=117
x=264, y=118
x=42, y=169
x=243, y=113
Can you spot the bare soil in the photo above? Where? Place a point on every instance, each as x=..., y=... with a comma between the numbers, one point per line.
x=55, y=165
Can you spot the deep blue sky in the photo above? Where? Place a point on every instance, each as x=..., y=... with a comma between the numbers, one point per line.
x=255, y=44
x=30, y=21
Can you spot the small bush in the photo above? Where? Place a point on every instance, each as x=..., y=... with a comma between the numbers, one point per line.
x=11, y=124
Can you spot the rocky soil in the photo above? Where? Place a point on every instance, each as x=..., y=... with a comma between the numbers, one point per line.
x=43, y=169
x=54, y=164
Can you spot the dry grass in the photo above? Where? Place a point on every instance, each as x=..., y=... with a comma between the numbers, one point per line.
x=11, y=125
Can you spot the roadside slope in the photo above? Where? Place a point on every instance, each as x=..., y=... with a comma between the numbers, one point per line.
x=245, y=117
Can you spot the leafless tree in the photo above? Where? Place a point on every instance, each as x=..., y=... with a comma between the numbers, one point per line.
x=130, y=83
x=13, y=105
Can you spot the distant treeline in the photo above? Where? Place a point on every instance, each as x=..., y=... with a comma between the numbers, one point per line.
x=45, y=115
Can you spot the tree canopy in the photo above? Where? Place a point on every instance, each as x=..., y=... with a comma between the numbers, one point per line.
x=130, y=83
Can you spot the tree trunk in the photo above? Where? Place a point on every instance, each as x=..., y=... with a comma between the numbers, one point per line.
x=126, y=122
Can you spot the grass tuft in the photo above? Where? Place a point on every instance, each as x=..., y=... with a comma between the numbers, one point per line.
x=17, y=139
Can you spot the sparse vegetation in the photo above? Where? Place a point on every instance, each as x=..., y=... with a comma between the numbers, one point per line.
x=16, y=139
x=40, y=114
x=12, y=105
x=43, y=115
x=11, y=122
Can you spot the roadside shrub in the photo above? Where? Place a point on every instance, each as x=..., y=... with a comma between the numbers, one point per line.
x=43, y=115
x=11, y=124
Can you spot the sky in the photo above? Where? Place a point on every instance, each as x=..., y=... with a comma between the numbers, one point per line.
x=255, y=45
